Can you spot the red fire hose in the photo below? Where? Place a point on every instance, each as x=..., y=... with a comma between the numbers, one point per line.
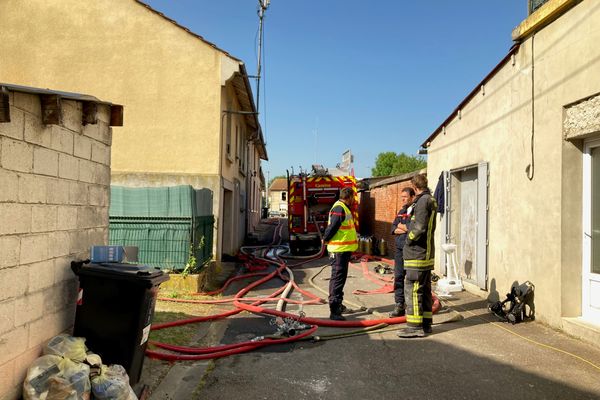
x=240, y=302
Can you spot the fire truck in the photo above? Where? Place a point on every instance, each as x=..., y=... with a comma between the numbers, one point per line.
x=310, y=197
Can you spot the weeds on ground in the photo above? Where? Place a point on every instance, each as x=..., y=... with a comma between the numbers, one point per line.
x=178, y=335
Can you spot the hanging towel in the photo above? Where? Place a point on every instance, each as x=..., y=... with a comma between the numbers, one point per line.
x=440, y=195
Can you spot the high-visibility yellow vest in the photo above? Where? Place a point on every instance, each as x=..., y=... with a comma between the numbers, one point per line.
x=345, y=238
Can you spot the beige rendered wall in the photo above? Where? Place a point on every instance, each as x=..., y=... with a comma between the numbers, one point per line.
x=254, y=205
x=167, y=79
x=229, y=212
x=275, y=202
x=170, y=82
x=534, y=225
x=54, y=184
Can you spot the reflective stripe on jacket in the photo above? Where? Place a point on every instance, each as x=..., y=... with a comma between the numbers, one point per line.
x=419, y=250
x=345, y=238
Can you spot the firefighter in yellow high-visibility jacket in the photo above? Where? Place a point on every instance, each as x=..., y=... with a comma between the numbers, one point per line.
x=418, y=261
x=341, y=239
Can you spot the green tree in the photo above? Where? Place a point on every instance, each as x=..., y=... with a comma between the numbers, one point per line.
x=384, y=164
x=389, y=163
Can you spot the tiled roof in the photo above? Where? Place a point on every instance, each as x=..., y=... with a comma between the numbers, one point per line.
x=278, y=184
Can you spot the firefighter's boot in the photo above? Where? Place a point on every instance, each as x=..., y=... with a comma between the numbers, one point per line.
x=411, y=332
x=336, y=312
x=398, y=311
x=346, y=310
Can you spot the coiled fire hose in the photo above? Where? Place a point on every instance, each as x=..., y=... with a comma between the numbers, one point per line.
x=255, y=306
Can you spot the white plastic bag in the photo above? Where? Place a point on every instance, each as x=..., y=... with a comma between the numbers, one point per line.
x=51, y=377
x=67, y=346
x=112, y=384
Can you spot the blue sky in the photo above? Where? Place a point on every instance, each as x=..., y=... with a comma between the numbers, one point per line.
x=372, y=76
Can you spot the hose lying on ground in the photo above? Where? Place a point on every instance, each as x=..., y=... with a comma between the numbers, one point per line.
x=281, y=295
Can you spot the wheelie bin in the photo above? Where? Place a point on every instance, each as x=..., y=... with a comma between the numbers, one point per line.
x=114, y=311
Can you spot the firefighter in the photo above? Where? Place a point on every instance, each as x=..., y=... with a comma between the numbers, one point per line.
x=418, y=261
x=399, y=229
x=341, y=239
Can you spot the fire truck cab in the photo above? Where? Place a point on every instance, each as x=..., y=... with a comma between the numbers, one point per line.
x=310, y=197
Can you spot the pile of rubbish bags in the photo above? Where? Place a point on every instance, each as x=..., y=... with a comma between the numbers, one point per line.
x=68, y=371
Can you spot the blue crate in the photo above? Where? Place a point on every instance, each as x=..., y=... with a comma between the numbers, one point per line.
x=101, y=254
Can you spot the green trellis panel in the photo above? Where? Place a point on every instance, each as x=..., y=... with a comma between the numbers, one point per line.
x=162, y=243
x=163, y=223
x=173, y=201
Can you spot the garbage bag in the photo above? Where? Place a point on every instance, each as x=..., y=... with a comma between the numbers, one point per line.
x=52, y=377
x=93, y=360
x=112, y=384
x=67, y=346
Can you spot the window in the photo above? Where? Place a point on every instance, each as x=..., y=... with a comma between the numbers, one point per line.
x=237, y=141
x=243, y=147
x=228, y=136
x=283, y=196
x=535, y=4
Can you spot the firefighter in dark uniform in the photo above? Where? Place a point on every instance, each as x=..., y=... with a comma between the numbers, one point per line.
x=418, y=261
x=399, y=229
x=341, y=239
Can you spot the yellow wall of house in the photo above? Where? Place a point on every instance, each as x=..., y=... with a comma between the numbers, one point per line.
x=173, y=85
x=168, y=80
x=276, y=203
x=534, y=226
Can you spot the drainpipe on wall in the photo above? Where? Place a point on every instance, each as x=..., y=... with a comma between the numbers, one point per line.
x=531, y=167
x=221, y=192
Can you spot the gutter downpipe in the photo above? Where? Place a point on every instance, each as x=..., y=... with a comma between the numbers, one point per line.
x=221, y=191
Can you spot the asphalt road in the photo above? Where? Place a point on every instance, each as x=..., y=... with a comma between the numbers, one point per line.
x=469, y=359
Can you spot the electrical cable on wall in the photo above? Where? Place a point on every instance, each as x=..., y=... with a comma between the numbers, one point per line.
x=531, y=167
x=264, y=59
x=263, y=5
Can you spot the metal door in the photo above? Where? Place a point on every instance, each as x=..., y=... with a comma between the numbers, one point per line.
x=482, y=230
x=466, y=220
x=467, y=246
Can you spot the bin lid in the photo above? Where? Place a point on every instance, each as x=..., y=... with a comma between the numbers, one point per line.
x=123, y=271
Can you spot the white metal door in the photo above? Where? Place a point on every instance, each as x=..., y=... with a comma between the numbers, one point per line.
x=467, y=250
x=466, y=220
x=590, y=302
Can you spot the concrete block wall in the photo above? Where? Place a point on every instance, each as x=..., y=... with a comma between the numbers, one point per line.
x=54, y=195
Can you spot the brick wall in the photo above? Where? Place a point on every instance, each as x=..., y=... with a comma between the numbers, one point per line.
x=54, y=191
x=378, y=207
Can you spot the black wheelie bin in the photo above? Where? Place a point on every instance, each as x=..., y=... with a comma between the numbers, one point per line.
x=114, y=311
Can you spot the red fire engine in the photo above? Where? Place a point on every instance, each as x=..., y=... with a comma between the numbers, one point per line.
x=310, y=197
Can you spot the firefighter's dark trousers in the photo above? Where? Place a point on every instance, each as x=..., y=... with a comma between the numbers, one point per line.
x=399, y=274
x=339, y=273
x=417, y=290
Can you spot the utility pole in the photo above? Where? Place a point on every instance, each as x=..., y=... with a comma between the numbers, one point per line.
x=268, y=183
x=262, y=7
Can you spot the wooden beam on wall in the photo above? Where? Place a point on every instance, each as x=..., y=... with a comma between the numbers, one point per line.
x=4, y=105
x=90, y=113
x=51, y=109
x=116, y=115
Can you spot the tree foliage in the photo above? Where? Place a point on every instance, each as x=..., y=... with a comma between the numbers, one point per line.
x=389, y=163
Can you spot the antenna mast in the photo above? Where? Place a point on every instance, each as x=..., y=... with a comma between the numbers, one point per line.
x=262, y=7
